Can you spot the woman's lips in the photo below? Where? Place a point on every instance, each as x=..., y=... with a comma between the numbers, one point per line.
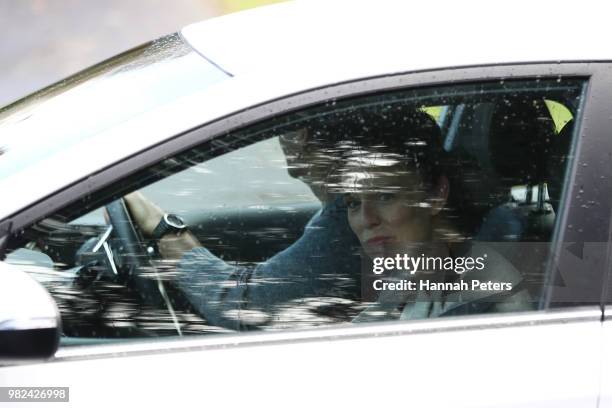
x=378, y=240
x=378, y=245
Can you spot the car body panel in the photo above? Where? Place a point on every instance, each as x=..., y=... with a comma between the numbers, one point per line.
x=268, y=75
x=356, y=366
x=361, y=39
x=605, y=399
x=510, y=360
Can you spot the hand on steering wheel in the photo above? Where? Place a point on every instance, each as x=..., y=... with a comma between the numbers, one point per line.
x=132, y=250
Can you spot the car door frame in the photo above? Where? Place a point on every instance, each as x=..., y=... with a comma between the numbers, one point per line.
x=577, y=225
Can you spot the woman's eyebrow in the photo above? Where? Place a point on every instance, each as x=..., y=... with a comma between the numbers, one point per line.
x=348, y=197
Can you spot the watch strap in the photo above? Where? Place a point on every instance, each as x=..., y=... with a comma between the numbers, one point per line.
x=163, y=227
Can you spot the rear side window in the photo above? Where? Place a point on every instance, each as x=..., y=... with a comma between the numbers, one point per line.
x=405, y=205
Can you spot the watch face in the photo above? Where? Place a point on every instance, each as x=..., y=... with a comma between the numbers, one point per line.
x=175, y=221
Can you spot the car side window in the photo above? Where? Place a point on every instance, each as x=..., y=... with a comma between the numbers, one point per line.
x=404, y=205
x=214, y=185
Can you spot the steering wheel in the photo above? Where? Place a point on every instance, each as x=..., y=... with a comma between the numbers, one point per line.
x=129, y=246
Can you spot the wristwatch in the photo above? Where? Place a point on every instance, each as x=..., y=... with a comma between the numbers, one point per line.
x=170, y=223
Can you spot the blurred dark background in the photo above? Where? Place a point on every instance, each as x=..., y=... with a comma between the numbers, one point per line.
x=45, y=41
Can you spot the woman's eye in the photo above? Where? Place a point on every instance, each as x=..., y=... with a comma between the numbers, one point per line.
x=385, y=196
x=351, y=203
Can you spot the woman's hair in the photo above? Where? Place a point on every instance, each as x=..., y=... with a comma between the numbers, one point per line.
x=407, y=136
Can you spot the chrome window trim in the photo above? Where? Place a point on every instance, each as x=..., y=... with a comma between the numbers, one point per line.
x=607, y=312
x=332, y=333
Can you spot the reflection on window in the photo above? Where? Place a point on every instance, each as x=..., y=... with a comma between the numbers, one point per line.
x=85, y=105
x=401, y=206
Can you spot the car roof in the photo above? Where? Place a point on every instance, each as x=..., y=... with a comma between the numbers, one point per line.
x=364, y=38
x=291, y=47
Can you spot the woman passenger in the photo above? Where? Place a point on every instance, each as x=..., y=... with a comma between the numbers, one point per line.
x=400, y=201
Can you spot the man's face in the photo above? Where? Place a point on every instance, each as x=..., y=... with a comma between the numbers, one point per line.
x=307, y=159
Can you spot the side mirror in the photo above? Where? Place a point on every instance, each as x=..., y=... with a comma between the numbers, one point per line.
x=29, y=318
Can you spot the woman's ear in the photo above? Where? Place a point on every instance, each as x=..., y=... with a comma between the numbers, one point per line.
x=439, y=195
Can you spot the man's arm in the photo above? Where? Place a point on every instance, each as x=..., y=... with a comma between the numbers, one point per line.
x=148, y=215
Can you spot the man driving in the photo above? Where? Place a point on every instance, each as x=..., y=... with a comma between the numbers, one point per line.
x=321, y=263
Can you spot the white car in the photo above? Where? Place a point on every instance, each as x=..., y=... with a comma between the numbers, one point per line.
x=258, y=278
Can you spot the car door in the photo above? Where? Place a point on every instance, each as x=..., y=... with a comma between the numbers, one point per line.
x=603, y=170
x=528, y=192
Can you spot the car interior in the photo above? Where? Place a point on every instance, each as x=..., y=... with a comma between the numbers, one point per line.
x=512, y=142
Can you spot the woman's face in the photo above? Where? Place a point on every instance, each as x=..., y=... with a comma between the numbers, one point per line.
x=389, y=211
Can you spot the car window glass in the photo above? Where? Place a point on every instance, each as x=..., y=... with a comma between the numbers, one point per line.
x=215, y=185
x=405, y=205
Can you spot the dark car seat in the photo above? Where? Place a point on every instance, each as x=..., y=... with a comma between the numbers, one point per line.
x=520, y=140
x=519, y=135
x=558, y=155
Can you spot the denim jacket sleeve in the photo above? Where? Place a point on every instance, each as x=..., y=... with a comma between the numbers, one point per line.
x=322, y=262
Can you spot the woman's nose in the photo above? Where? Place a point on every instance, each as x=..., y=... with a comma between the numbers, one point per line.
x=369, y=214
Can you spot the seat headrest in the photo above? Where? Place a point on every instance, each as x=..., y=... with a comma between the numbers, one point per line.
x=520, y=129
